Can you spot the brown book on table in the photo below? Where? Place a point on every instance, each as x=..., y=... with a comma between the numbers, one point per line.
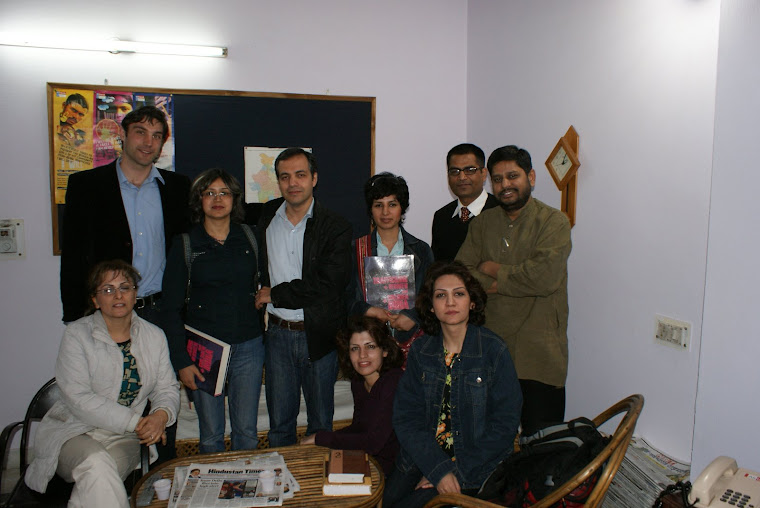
x=347, y=473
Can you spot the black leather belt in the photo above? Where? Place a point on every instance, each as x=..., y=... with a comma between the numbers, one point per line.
x=288, y=325
x=147, y=301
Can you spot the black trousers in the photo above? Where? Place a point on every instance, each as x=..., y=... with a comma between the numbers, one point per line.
x=542, y=404
x=169, y=450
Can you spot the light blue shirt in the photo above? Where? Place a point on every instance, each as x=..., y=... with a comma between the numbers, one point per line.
x=285, y=254
x=397, y=250
x=146, y=225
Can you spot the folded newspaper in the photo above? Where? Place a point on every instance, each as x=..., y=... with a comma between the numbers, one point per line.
x=643, y=474
x=232, y=484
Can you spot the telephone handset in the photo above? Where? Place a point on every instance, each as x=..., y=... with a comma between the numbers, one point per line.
x=724, y=484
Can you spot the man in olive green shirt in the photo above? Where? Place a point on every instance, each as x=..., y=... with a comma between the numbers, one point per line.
x=519, y=252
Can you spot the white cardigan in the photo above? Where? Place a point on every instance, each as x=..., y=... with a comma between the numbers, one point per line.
x=89, y=371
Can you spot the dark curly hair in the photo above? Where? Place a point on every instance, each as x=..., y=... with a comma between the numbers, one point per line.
x=202, y=182
x=386, y=184
x=424, y=304
x=379, y=332
x=97, y=275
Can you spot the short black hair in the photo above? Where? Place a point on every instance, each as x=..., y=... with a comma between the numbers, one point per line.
x=289, y=153
x=424, y=303
x=150, y=113
x=510, y=153
x=466, y=149
x=201, y=183
x=386, y=184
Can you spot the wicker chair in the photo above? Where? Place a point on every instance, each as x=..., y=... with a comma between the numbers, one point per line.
x=609, y=459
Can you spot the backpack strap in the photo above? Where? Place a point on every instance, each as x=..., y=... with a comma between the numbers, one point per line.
x=362, y=251
x=252, y=240
x=188, y=263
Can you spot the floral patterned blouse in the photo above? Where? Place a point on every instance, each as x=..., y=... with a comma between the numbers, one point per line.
x=443, y=432
x=130, y=384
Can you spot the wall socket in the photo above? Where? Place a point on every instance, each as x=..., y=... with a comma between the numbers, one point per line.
x=12, y=245
x=672, y=332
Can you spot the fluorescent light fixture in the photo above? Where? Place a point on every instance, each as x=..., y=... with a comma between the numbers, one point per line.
x=112, y=45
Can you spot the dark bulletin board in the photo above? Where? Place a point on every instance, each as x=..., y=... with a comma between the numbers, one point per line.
x=211, y=129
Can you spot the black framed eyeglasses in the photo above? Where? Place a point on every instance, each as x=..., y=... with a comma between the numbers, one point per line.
x=469, y=170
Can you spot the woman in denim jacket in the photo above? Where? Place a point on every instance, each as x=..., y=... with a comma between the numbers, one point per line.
x=457, y=406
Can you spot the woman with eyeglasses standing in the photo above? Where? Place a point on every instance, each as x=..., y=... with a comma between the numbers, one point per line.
x=110, y=363
x=214, y=284
x=387, y=199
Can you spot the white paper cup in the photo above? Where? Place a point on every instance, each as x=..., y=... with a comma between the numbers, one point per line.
x=266, y=478
x=162, y=488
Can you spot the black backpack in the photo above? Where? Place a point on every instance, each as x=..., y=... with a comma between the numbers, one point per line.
x=546, y=460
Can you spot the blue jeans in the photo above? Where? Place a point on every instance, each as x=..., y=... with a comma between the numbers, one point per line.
x=242, y=391
x=289, y=370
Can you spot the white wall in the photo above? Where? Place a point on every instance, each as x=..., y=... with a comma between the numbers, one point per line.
x=400, y=52
x=727, y=408
x=637, y=80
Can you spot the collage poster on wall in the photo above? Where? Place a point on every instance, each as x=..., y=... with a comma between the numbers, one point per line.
x=87, y=130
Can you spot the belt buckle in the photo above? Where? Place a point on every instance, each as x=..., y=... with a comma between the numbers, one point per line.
x=140, y=303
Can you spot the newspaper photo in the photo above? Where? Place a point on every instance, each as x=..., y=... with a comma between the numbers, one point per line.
x=233, y=484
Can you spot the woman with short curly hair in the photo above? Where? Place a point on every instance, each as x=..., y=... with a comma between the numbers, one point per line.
x=387, y=199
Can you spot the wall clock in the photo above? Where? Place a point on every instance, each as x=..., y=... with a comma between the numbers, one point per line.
x=563, y=165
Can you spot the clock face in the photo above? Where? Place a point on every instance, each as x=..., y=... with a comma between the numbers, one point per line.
x=561, y=163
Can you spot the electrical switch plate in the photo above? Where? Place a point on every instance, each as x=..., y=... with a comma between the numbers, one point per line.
x=672, y=332
x=12, y=239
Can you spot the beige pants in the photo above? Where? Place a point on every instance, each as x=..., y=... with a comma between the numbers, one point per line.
x=98, y=462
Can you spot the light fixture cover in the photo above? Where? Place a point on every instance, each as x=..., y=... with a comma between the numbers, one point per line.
x=112, y=45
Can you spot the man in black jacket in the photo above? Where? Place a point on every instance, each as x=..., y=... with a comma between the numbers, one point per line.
x=465, y=166
x=307, y=259
x=128, y=210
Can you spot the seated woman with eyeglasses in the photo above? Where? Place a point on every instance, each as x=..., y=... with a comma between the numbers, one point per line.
x=387, y=199
x=368, y=355
x=457, y=407
x=109, y=365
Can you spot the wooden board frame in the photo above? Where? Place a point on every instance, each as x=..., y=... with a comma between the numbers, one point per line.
x=288, y=101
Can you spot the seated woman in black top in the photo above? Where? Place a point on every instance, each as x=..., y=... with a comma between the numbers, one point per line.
x=371, y=358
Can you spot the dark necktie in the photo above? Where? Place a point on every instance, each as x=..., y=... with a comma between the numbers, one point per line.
x=464, y=214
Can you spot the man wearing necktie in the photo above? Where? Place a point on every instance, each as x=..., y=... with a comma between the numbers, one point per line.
x=465, y=166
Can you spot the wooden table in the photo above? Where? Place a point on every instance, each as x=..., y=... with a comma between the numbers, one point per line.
x=305, y=462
